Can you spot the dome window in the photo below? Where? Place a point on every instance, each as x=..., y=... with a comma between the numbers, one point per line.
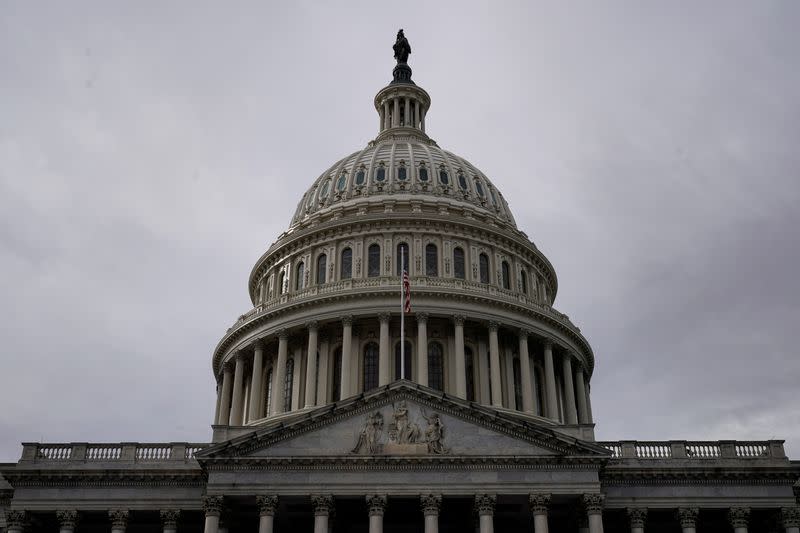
x=402, y=251
x=483, y=261
x=360, y=177
x=341, y=182
x=288, y=380
x=324, y=190
x=431, y=260
x=506, y=276
x=479, y=188
x=435, y=366
x=401, y=172
x=373, y=261
x=322, y=267
x=462, y=181
x=346, y=271
x=523, y=281
x=298, y=282
x=444, y=178
x=423, y=173
x=380, y=174
x=458, y=263
x=370, y=366
x=407, y=348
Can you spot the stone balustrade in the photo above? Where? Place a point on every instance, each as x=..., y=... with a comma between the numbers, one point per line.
x=130, y=452
x=695, y=450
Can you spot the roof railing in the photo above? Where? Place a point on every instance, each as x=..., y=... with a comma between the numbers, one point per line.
x=695, y=450
x=134, y=452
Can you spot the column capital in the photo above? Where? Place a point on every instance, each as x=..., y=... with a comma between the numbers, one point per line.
x=539, y=503
x=790, y=517
x=119, y=518
x=67, y=518
x=687, y=516
x=548, y=344
x=384, y=317
x=282, y=334
x=267, y=504
x=493, y=325
x=258, y=344
x=312, y=325
x=16, y=518
x=739, y=516
x=376, y=504
x=347, y=320
x=637, y=516
x=484, y=504
x=227, y=366
x=323, y=504
x=242, y=356
x=169, y=518
x=212, y=505
x=593, y=503
x=422, y=317
x=524, y=333
x=430, y=504
x=458, y=320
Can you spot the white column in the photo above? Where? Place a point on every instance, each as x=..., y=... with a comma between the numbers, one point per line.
x=311, y=364
x=539, y=504
x=396, y=113
x=550, y=382
x=384, y=367
x=212, y=505
x=118, y=518
x=169, y=520
x=422, y=120
x=430, y=509
x=594, y=510
x=790, y=518
x=323, y=504
x=279, y=373
x=238, y=394
x=739, y=517
x=687, y=516
x=67, y=520
x=484, y=503
x=589, y=402
x=580, y=386
x=422, y=348
x=638, y=518
x=377, y=505
x=256, y=385
x=494, y=366
x=416, y=113
x=324, y=361
x=569, y=391
x=460, y=366
x=525, y=370
x=386, y=116
x=381, y=118
x=407, y=113
x=225, y=400
x=347, y=353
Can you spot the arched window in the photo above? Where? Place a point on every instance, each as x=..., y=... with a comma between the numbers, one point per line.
x=506, y=276
x=458, y=263
x=431, y=260
x=370, y=366
x=287, y=385
x=360, y=177
x=483, y=261
x=281, y=282
x=373, y=261
x=444, y=177
x=407, y=369
x=298, y=282
x=435, y=366
x=517, y=384
x=336, y=388
x=380, y=174
x=404, y=247
x=322, y=266
x=523, y=281
x=323, y=192
x=341, y=182
x=347, y=264
x=469, y=368
x=401, y=173
x=268, y=399
x=462, y=181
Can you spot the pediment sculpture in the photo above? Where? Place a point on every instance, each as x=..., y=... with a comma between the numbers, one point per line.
x=404, y=435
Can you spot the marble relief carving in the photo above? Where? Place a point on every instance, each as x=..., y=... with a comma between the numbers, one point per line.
x=405, y=434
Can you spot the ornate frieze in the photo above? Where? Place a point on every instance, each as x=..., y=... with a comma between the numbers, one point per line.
x=376, y=504
x=739, y=516
x=119, y=518
x=431, y=503
x=322, y=503
x=212, y=505
x=637, y=516
x=539, y=503
x=593, y=503
x=169, y=518
x=687, y=516
x=484, y=504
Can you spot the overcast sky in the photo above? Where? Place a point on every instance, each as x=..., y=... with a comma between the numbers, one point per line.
x=151, y=151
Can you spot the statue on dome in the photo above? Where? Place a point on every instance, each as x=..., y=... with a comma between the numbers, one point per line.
x=401, y=48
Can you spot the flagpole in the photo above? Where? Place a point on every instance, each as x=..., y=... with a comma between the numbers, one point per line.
x=402, y=316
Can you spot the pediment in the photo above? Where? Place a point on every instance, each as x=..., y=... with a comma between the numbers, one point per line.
x=404, y=420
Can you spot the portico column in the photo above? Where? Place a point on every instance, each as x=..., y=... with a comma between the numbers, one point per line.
x=225, y=401
x=637, y=517
x=422, y=348
x=687, y=516
x=494, y=366
x=539, y=504
x=169, y=520
x=384, y=368
x=430, y=509
x=67, y=520
x=119, y=520
x=377, y=505
x=255, y=381
x=267, y=504
x=594, y=510
x=484, y=503
x=347, y=352
x=396, y=113
x=571, y=414
x=580, y=385
x=790, y=518
x=238, y=396
x=461, y=368
x=525, y=370
x=311, y=366
x=550, y=382
x=323, y=503
x=739, y=517
x=279, y=374
x=212, y=505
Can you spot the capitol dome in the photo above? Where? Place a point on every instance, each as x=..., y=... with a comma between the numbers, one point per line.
x=326, y=323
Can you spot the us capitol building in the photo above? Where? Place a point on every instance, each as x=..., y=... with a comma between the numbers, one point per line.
x=481, y=422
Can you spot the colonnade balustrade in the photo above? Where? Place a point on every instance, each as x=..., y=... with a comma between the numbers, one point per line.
x=550, y=382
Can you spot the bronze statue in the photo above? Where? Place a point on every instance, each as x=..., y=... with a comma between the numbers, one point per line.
x=401, y=48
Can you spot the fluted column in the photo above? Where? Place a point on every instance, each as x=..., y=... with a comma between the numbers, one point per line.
x=494, y=366
x=279, y=374
x=580, y=385
x=539, y=504
x=637, y=517
x=790, y=518
x=347, y=353
x=687, y=516
x=386, y=116
x=311, y=365
x=238, y=396
x=119, y=520
x=484, y=504
x=15, y=521
x=212, y=506
x=396, y=112
x=225, y=401
x=593, y=503
x=461, y=368
x=525, y=369
x=384, y=368
x=377, y=505
x=169, y=520
x=267, y=505
x=322, y=370
x=430, y=509
x=67, y=520
x=422, y=348
x=739, y=517
x=571, y=415
x=407, y=112
x=550, y=382
x=256, y=386
x=323, y=503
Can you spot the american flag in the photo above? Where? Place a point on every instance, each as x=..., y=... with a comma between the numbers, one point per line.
x=406, y=292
